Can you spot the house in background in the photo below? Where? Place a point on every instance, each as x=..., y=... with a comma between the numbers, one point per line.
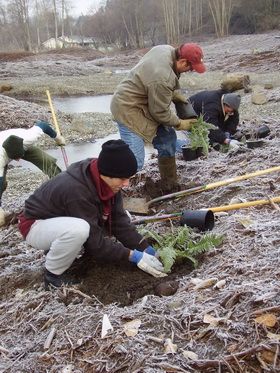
x=70, y=42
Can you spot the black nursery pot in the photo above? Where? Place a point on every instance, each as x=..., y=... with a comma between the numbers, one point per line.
x=189, y=154
x=252, y=144
x=185, y=110
x=263, y=131
x=201, y=219
x=199, y=152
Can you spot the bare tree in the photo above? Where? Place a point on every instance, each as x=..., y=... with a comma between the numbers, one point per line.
x=55, y=21
x=19, y=11
x=221, y=11
x=171, y=20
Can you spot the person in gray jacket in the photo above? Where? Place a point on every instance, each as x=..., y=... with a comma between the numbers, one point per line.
x=141, y=105
x=80, y=209
x=219, y=108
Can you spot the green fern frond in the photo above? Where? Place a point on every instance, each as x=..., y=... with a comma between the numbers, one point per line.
x=204, y=243
x=198, y=135
x=167, y=255
x=182, y=243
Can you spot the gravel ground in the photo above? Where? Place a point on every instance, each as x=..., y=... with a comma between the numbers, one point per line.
x=231, y=328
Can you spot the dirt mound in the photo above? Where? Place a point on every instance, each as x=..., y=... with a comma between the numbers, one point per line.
x=87, y=54
x=14, y=56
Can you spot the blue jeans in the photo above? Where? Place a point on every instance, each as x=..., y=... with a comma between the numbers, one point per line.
x=164, y=142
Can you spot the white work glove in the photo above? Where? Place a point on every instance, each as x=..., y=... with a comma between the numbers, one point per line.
x=234, y=144
x=60, y=140
x=177, y=96
x=185, y=124
x=2, y=217
x=147, y=263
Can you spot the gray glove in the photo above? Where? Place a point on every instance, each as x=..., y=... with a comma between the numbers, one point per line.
x=234, y=144
x=147, y=263
x=2, y=217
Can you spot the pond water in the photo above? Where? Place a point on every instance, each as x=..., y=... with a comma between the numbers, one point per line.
x=85, y=104
x=77, y=152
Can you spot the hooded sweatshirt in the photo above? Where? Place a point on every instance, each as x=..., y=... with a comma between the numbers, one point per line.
x=73, y=193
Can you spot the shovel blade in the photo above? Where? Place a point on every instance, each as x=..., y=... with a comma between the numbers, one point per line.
x=136, y=205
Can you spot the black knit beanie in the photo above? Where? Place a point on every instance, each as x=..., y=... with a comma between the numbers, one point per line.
x=116, y=160
x=14, y=147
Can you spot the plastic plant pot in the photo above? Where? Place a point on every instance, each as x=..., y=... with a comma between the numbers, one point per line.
x=262, y=132
x=185, y=110
x=199, y=152
x=189, y=154
x=201, y=219
x=252, y=144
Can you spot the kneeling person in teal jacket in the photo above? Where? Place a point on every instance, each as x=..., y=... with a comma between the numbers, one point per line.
x=81, y=208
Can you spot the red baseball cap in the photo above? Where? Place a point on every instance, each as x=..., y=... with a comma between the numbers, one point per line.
x=193, y=53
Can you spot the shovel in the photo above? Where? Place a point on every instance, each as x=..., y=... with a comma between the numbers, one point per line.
x=64, y=155
x=142, y=206
x=178, y=215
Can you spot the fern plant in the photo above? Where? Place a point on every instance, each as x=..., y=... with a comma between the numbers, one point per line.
x=198, y=135
x=182, y=243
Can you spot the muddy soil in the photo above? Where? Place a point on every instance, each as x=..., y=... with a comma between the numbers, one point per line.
x=218, y=324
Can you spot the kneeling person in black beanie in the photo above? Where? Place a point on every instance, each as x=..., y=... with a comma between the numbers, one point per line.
x=81, y=208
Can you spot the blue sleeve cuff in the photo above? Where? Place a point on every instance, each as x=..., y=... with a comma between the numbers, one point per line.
x=150, y=250
x=46, y=128
x=136, y=256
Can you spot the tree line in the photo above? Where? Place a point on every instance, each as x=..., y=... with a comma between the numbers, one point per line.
x=25, y=24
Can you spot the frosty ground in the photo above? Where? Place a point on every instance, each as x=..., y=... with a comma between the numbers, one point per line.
x=212, y=329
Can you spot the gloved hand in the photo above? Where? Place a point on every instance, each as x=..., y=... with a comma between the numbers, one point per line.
x=177, y=96
x=234, y=144
x=2, y=217
x=147, y=263
x=60, y=140
x=185, y=124
x=151, y=251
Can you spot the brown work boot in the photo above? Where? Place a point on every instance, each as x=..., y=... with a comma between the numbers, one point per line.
x=168, y=175
x=168, y=182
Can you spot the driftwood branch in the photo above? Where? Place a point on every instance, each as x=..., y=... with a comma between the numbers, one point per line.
x=267, y=309
x=49, y=339
x=203, y=364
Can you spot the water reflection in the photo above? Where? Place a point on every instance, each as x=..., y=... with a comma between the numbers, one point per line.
x=86, y=104
x=77, y=152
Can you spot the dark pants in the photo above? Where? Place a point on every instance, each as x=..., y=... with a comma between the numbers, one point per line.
x=45, y=162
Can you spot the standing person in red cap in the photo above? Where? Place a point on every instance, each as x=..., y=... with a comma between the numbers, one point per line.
x=141, y=106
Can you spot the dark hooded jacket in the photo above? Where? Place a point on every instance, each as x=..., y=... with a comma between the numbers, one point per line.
x=73, y=193
x=209, y=104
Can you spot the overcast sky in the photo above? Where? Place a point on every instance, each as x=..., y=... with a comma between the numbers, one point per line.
x=84, y=6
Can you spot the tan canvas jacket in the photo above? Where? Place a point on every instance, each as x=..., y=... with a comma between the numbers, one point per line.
x=142, y=100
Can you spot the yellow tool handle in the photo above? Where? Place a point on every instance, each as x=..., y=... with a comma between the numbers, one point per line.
x=202, y=188
x=53, y=113
x=242, y=177
x=242, y=205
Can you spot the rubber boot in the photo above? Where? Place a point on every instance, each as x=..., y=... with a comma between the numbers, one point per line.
x=168, y=179
x=168, y=175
